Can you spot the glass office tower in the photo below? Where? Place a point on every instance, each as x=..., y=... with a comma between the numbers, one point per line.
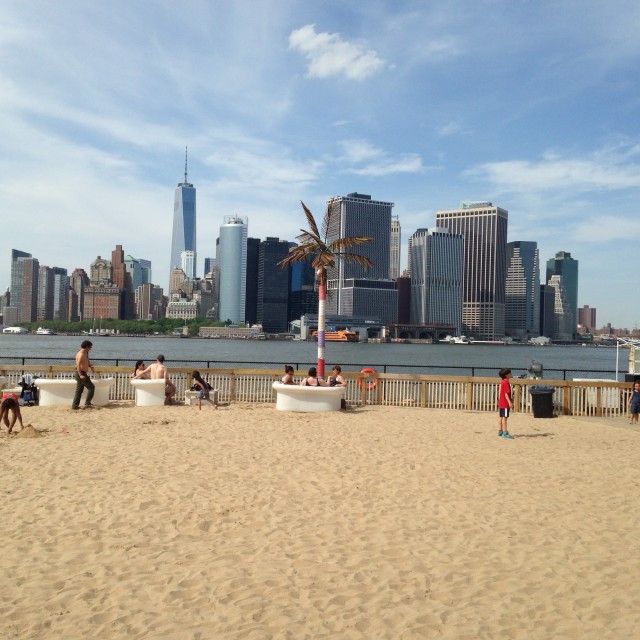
x=184, y=223
x=567, y=267
x=352, y=216
x=437, y=267
x=232, y=266
x=484, y=228
x=522, y=293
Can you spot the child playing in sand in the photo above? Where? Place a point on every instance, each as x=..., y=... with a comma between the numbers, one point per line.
x=10, y=404
x=203, y=387
x=634, y=404
x=505, y=402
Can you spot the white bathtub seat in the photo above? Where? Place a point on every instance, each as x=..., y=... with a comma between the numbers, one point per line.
x=291, y=397
x=149, y=393
x=60, y=391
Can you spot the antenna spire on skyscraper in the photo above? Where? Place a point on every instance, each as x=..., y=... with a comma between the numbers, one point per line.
x=185, y=164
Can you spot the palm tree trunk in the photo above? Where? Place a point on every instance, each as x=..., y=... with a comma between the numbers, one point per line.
x=322, y=299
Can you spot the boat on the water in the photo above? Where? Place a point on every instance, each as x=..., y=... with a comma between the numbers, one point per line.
x=455, y=340
x=14, y=330
x=338, y=336
x=42, y=331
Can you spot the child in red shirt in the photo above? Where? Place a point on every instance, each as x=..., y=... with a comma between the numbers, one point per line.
x=505, y=402
x=8, y=404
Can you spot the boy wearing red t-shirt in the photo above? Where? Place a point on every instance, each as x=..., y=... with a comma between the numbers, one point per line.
x=505, y=402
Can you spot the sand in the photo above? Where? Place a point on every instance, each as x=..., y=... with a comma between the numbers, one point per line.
x=246, y=522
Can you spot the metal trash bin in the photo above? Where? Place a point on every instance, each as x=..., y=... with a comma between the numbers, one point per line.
x=542, y=400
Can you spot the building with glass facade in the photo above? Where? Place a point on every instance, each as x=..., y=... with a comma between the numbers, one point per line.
x=522, y=290
x=563, y=323
x=364, y=297
x=567, y=267
x=396, y=240
x=437, y=268
x=484, y=228
x=184, y=223
x=357, y=215
x=273, y=286
x=251, y=292
x=232, y=268
x=352, y=216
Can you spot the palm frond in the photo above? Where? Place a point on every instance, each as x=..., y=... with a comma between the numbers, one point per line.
x=323, y=260
x=311, y=220
x=346, y=243
x=297, y=254
x=326, y=221
x=355, y=258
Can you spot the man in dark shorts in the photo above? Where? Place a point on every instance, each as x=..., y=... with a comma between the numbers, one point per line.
x=83, y=364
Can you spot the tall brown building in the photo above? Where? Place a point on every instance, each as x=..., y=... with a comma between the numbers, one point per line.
x=30, y=277
x=102, y=298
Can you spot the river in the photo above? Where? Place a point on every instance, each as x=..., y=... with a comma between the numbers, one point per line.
x=559, y=362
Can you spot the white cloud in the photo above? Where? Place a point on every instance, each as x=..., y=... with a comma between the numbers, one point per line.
x=451, y=128
x=370, y=160
x=606, y=169
x=329, y=55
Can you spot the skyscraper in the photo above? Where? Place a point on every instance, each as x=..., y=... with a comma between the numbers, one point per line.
x=184, y=222
x=28, y=272
x=396, y=239
x=564, y=265
x=522, y=290
x=273, y=285
x=232, y=265
x=587, y=317
x=563, y=324
x=484, y=228
x=437, y=263
x=251, y=290
x=357, y=215
x=79, y=280
x=45, y=293
x=60, y=294
x=13, y=312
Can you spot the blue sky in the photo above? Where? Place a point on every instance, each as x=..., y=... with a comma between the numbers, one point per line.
x=531, y=105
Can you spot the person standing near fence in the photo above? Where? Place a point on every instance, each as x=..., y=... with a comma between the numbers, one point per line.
x=634, y=404
x=505, y=402
x=83, y=364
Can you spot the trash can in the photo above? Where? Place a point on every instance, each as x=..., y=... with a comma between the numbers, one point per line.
x=542, y=400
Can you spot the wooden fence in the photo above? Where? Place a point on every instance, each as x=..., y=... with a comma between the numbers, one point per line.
x=579, y=398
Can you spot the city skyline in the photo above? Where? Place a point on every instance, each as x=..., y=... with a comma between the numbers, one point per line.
x=530, y=106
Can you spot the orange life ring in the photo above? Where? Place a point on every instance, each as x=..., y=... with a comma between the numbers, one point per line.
x=372, y=384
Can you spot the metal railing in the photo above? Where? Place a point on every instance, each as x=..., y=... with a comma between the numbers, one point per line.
x=426, y=369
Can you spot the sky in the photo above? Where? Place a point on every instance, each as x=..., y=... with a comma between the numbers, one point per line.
x=533, y=105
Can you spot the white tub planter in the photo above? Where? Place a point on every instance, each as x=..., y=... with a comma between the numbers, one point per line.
x=291, y=397
x=149, y=393
x=60, y=391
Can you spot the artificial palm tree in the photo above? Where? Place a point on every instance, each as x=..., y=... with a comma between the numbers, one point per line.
x=315, y=247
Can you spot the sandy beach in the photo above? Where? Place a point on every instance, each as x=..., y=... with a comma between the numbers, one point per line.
x=245, y=522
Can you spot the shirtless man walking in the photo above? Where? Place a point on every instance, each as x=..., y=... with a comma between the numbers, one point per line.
x=158, y=371
x=83, y=364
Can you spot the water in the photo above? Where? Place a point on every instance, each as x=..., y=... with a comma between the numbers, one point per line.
x=560, y=362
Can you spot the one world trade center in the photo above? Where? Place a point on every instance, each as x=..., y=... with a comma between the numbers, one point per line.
x=183, y=241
